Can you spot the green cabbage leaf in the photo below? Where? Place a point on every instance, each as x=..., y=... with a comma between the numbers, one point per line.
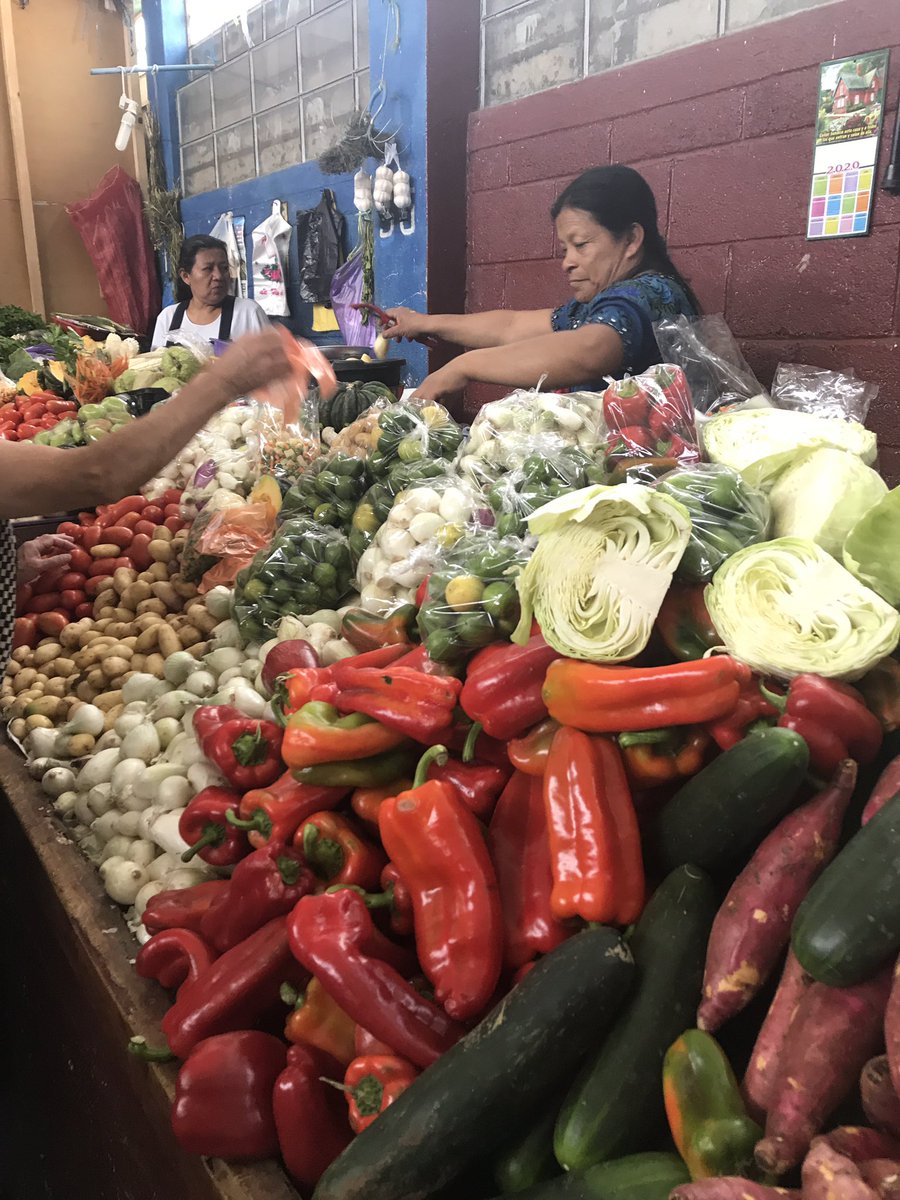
x=822, y=496
x=872, y=548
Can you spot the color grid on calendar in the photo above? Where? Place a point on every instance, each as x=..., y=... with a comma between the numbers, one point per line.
x=840, y=203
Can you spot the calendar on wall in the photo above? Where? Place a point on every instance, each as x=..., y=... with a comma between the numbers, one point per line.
x=848, y=132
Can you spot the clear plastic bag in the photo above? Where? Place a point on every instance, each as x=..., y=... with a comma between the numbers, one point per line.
x=717, y=372
x=233, y=536
x=286, y=449
x=306, y=567
x=471, y=598
x=650, y=416
x=425, y=520
x=360, y=437
x=376, y=503
x=551, y=469
x=409, y=432
x=726, y=515
x=824, y=393
x=328, y=491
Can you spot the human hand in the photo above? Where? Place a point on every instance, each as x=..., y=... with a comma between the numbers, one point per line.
x=407, y=323
x=49, y=552
x=445, y=382
x=255, y=360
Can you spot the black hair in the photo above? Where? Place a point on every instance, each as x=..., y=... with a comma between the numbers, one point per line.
x=190, y=248
x=617, y=198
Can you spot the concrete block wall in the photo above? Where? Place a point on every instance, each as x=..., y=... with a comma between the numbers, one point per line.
x=723, y=131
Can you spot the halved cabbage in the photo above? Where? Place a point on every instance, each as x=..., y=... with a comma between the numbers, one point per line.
x=822, y=496
x=745, y=438
x=872, y=548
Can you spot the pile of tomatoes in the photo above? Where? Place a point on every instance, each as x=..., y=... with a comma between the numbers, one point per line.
x=46, y=606
x=22, y=418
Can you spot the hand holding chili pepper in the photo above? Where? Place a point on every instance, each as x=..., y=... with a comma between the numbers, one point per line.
x=204, y=826
x=374, y=1082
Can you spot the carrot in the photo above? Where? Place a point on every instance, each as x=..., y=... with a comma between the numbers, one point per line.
x=882, y=1174
x=881, y=1104
x=834, y=1032
x=828, y=1175
x=860, y=1144
x=753, y=926
x=886, y=786
x=892, y=1031
x=730, y=1187
x=761, y=1070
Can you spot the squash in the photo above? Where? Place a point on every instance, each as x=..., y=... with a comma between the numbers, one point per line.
x=268, y=492
x=350, y=401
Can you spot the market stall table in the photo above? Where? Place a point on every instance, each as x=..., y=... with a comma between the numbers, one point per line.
x=82, y=1117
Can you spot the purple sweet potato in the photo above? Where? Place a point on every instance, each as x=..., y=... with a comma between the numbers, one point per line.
x=730, y=1187
x=886, y=787
x=753, y=925
x=882, y=1174
x=860, y=1144
x=828, y=1175
x=892, y=1030
x=881, y=1104
x=759, y=1081
x=834, y=1033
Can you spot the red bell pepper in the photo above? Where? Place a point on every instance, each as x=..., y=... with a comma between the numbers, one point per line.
x=334, y=938
x=412, y=702
x=299, y=686
x=240, y=989
x=833, y=720
x=418, y=659
x=310, y=1115
x=478, y=785
x=752, y=706
x=529, y=754
x=210, y=717
x=316, y=1020
x=223, y=1097
x=246, y=751
x=204, y=826
x=366, y=631
x=660, y=756
x=366, y=1044
x=173, y=957
x=521, y=855
x=503, y=687
x=374, y=1082
x=401, y=910
x=336, y=853
x=366, y=802
x=438, y=847
x=183, y=908
x=273, y=814
x=265, y=884
x=287, y=656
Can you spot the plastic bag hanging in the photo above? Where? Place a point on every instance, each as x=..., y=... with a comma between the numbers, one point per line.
x=224, y=230
x=270, y=249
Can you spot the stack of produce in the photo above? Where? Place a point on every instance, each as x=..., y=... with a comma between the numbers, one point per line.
x=32, y=415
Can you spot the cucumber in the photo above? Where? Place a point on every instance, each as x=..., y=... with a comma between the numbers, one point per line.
x=721, y=815
x=531, y=1159
x=849, y=923
x=617, y=1103
x=462, y=1109
x=649, y=1176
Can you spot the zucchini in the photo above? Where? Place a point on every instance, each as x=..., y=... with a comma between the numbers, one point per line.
x=721, y=815
x=531, y=1159
x=617, y=1100
x=461, y=1110
x=849, y=923
x=649, y=1176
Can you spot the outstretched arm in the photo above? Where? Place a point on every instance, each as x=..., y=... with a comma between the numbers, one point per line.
x=471, y=329
x=562, y=360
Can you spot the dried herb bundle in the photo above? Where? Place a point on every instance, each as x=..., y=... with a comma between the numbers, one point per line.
x=360, y=141
x=162, y=205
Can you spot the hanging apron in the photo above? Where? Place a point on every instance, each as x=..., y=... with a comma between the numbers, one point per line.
x=225, y=319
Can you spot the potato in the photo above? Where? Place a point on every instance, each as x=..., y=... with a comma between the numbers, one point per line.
x=63, y=667
x=70, y=635
x=149, y=639
x=102, y=624
x=184, y=589
x=153, y=605
x=85, y=692
x=18, y=728
x=160, y=551
x=12, y=667
x=96, y=679
x=38, y=723
x=18, y=706
x=203, y=620
x=163, y=534
x=109, y=700
x=138, y=662
x=154, y=665
x=108, y=598
x=46, y=652
x=107, y=613
x=57, y=687
x=24, y=679
x=189, y=636
x=168, y=595
x=169, y=642
x=120, y=630
x=123, y=578
x=157, y=572
x=135, y=593
x=129, y=643
x=89, y=635
x=198, y=650
x=114, y=666
x=105, y=550
x=145, y=620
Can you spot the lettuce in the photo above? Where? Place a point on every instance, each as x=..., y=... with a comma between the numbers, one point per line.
x=872, y=548
x=822, y=496
x=786, y=607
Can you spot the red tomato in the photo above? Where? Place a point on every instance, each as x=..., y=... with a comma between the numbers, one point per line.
x=171, y=496
x=72, y=597
x=139, y=552
x=80, y=560
x=22, y=402
x=34, y=411
x=27, y=431
x=25, y=632
x=128, y=521
x=125, y=562
x=154, y=513
x=51, y=624
x=127, y=505
x=174, y=524
x=43, y=603
x=9, y=412
x=119, y=535
x=103, y=566
x=173, y=510
x=60, y=406
x=48, y=422
x=145, y=527
x=8, y=434
x=70, y=529
x=87, y=518
x=84, y=610
x=98, y=583
x=72, y=579
x=48, y=582
x=91, y=537
x=23, y=595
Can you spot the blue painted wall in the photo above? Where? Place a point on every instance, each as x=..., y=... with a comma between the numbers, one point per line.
x=400, y=261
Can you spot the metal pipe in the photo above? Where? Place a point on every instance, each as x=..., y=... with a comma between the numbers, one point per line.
x=891, y=181
x=151, y=70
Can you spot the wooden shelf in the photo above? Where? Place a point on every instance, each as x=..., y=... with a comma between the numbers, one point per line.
x=82, y=1118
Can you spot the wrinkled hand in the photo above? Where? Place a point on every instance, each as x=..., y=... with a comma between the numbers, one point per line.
x=407, y=323
x=49, y=552
x=254, y=361
x=446, y=382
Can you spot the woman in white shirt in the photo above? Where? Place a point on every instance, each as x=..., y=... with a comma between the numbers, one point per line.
x=204, y=305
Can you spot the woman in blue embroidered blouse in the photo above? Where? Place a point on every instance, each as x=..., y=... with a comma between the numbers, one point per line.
x=622, y=281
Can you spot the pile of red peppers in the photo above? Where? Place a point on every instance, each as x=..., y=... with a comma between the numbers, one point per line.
x=402, y=845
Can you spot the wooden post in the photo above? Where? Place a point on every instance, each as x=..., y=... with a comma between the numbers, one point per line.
x=20, y=155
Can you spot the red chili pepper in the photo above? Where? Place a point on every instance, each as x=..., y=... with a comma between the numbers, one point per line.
x=299, y=686
x=236, y=992
x=183, y=908
x=631, y=888
x=438, y=847
x=246, y=751
x=411, y=702
x=333, y=936
x=521, y=855
x=210, y=717
x=658, y=756
x=364, y=1043
x=374, y=1082
x=419, y=659
x=316, y=1020
x=401, y=910
x=273, y=814
x=204, y=826
x=173, y=957
x=223, y=1097
x=366, y=802
x=478, y=785
x=336, y=854
x=752, y=706
x=503, y=687
x=833, y=720
x=310, y=1115
x=529, y=754
x=265, y=884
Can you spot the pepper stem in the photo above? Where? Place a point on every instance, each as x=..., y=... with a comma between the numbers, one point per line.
x=260, y=822
x=291, y=996
x=648, y=737
x=325, y=855
x=140, y=1049
x=249, y=749
x=288, y=869
x=776, y=700
x=471, y=738
x=213, y=835
x=383, y=899
x=434, y=754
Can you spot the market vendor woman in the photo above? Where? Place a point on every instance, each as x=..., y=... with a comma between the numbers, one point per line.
x=622, y=281
x=204, y=306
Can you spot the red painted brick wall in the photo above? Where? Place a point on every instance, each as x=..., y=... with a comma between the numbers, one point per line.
x=723, y=131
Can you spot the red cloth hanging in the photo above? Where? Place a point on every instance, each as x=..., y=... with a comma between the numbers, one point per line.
x=112, y=226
